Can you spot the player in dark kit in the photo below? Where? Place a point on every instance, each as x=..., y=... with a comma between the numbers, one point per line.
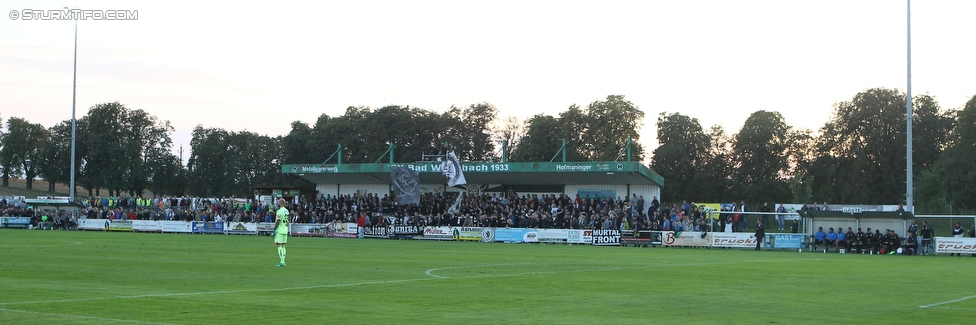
x=851, y=239
x=911, y=244
x=927, y=235
x=893, y=241
x=878, y=241
x=869, y=241
x=958, y=232
x=760, y=233
x=862, y=240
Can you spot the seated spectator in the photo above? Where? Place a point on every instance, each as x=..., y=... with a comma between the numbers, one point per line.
x=819, y=238
x=840, y=240
x=878, y=241
x=831, y=239
x=893, y=241
x=911, y=245
x=869, y=241
x=850, y=239
x=862, y=240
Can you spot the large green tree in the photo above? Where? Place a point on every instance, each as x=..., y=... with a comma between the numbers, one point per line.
x=123, y=147
x=7, y=165
x=861, y=154
x=713, y=179
x=57, y=156
x=610, y=123
x=760, y=150
x=597, y=133
x=365, y=135
x=511, y=131
x=682, y=150
x=224, y=163
x=23, y=144
x=948, y=184
x=470, y=130
x=295, y=144
x=541, y=140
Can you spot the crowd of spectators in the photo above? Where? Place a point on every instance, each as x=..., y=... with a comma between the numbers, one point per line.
x=548, y=211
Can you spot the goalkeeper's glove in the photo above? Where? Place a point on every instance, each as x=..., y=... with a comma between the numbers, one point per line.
x=274, y=233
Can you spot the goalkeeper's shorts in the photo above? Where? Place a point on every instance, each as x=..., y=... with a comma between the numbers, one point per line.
x=281, y=238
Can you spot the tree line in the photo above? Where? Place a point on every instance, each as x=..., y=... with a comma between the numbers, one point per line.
x=858, y=156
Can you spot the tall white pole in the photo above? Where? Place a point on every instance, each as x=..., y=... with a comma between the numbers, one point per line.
x=909, y=187
x=74, y=88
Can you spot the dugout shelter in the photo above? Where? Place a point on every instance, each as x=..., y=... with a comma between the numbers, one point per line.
x=857, y=218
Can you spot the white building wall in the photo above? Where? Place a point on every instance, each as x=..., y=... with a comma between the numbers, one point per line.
x=326, y=189
x=649, y=191
x=573, y=189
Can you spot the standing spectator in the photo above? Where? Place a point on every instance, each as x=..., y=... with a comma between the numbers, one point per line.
x=361, y=223
x=957, y=233
x=972, y=233
x=760, y=233
x=780, y=218
x=655, y=205
x=927, y=234
x=743, y=221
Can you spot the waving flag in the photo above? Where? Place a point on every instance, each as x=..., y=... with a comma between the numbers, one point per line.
x=451, y=168
x=406, y=184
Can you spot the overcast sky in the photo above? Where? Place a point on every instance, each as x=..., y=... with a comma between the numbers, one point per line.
x=260, y=67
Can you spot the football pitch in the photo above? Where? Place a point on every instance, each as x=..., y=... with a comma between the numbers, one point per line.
x=57, y=277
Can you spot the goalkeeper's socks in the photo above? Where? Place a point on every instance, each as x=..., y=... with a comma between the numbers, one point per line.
x=283, y=253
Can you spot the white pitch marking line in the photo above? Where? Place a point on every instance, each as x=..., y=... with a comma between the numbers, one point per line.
x=948, y=302
x=180, y=294
x=951, y=308
x=76, y=243
x=83, y=317
x=465, y=267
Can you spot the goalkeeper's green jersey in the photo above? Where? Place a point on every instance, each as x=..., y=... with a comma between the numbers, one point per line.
x=282, y=215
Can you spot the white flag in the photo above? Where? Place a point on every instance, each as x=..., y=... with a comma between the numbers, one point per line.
x=451, y=168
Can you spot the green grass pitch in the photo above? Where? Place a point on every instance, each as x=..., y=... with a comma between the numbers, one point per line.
x=52, y=277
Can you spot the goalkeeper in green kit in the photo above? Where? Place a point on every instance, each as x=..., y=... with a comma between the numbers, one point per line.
x=281, y=230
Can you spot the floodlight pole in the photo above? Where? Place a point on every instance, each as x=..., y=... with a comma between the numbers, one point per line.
x=74, y=91
x=909, y=184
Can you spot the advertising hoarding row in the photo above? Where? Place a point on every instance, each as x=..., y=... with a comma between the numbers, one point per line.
x=596, y=237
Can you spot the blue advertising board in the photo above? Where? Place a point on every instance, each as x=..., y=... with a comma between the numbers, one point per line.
x=597, y=193
x=208, y=227
x=14, y=222
x=787, y=240
x=516, y=235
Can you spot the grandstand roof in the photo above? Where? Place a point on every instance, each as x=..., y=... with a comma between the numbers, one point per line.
x=511, y=173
